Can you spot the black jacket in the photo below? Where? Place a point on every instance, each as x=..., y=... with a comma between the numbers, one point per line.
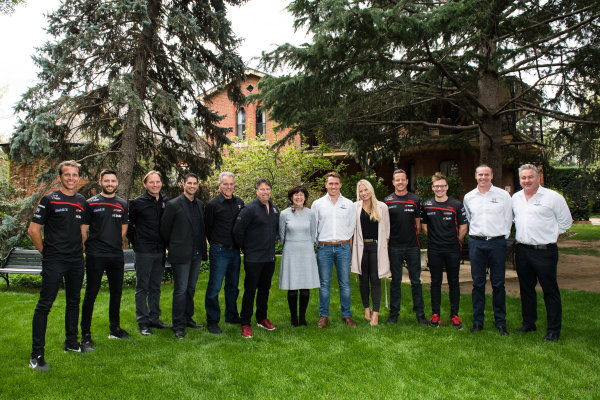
x=143, y=232
x=177, y=231
x=255, y=231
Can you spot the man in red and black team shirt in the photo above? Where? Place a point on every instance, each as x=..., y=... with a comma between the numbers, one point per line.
x=444, y=221
x=405, y=223
x=61, y=213
x=103, y=232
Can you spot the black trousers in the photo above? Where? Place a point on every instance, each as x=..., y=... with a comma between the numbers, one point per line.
x=94, y=269
x=539, y=265
x=52, y=275
x=437, y=261
x=370, y=274
x=256, y=283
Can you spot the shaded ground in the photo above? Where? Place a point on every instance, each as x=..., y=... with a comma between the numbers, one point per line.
x=575, y=272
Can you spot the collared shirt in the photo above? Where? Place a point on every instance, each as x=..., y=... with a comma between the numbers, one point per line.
x=145, y=212
x=490, y=213
x=219, y=218
x=541, y=219
x=256, y=230
x=335, y=222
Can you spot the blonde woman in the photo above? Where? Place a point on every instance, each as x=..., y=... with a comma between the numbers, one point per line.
x=370, y=247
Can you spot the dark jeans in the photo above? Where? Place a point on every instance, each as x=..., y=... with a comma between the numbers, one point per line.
x=370, y=274
x=149, y=268
x=185, y=277
x=437, y=261
x=94, y=268
x=52, y=275
x=256, y=283
x=492, y=254
x=533, y=266
x=412, y=256
x=224, y=264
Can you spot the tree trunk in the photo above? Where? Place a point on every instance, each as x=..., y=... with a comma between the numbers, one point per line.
x=145, y=44
x=490, y=132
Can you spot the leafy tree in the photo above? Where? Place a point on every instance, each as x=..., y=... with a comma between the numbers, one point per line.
x=285, y=167
x=121, y=83
x=8, y=6
x=385, y=76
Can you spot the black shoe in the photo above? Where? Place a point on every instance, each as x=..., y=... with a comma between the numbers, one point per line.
x=302, y=321
x=525, y=329
x=78, y=348
x=38, y=364
x=393, y=319
x=214, y=329
x=86, y=340
x=179, y=333
x=158, y=324
x=422, y=320
x=192, y=324
x=145, y=330
x=476, y=328
x=118, y=333
x=550, y=337
x=235, y=321
x=502, y=330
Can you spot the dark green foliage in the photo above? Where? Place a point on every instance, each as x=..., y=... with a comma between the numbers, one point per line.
x=349, y=183
x=580, y=188
x=385, y=77
x=455, y=187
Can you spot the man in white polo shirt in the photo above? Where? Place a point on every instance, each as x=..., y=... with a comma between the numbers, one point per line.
x=489, y=212
x=540, y=216
x=336, y=219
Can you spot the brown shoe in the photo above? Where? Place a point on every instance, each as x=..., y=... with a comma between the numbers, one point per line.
x=349, y=322
x=322, y=322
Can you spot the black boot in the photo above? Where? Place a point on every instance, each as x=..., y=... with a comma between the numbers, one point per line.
x=293, y=303
x=304, y=297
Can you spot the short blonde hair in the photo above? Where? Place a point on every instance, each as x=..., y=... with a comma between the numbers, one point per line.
x=373, y=212
x=438, y=176
x=150, y=173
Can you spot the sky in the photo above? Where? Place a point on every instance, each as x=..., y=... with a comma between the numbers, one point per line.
x=261, y=24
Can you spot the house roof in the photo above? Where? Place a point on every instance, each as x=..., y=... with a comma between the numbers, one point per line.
x=222, y=86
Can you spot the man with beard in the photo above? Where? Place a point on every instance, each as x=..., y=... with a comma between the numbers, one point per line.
x=106, y=225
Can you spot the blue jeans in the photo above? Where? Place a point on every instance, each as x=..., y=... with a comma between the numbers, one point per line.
x=340, y=255
x=224, y=263
x=52, y=275
x=185, y=277
x=149, y=268
x=492, y=254
x=412, y=255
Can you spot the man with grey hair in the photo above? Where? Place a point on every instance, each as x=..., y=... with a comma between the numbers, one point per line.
x=541, y=215
x=220, y=215
x=489, y=212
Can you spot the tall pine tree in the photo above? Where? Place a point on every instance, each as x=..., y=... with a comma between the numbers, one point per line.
x=123, y=80
x=381, y=76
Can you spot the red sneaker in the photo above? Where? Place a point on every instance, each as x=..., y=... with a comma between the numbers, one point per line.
x=456, y=322
x=434, y=322
x=246, y=331
x=265, y=323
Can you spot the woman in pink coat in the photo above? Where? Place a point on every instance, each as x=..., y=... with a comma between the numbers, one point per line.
x=370, y=246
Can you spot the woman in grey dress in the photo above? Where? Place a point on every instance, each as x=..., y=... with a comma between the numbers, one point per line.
x=299, y=271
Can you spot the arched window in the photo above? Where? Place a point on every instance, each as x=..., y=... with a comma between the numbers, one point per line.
x=240, y=127
x=261, y=124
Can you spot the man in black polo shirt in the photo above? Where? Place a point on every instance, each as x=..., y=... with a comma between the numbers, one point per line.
x=106, y=225
x=145, y=212
x=444, y=221
x=224, y=259
x=255, y=231
x=405, y=223
x=182, y=228
x=61, y=213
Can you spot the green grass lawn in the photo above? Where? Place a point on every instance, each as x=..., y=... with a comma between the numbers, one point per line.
x=383, y=362
x=585, y=232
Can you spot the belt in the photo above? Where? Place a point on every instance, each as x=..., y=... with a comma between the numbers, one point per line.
x=369, y=240
x=230, y=246
x=336, y=243
x=486, y=237
x=538, y=246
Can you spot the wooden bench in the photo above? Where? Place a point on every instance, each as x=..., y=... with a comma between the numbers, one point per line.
x=29, y=262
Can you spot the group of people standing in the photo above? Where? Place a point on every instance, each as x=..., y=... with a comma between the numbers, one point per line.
x=372, y=238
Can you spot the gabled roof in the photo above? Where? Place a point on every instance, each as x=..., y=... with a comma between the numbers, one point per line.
x=222, y=86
